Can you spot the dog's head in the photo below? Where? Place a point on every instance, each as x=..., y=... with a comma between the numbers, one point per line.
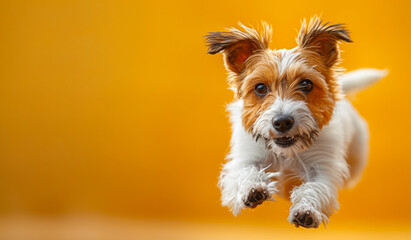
x=288, y=95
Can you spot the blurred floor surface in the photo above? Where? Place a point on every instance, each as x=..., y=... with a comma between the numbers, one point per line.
x=105, y=228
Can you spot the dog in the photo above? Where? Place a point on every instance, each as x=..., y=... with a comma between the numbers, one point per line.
x=294, y=134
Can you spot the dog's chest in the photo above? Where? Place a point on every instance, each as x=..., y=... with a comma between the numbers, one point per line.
x=290, y=174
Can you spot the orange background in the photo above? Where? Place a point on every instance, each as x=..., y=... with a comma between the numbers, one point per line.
x=114, y=107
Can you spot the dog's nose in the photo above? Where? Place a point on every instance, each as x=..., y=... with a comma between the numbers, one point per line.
x=283, y=123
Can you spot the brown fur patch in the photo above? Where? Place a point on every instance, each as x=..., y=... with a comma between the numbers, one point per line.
x=237, y=45
x=322, y=38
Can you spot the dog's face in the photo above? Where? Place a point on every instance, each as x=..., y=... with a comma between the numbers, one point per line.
x=288, y=95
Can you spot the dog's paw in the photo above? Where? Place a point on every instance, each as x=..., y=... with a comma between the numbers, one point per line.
x=305, y=216
x=256, y=196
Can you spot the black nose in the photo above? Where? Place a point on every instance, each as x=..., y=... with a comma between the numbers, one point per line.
x=283, y=123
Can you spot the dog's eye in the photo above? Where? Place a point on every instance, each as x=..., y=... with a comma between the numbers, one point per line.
x=261, y=89
x=306, y=85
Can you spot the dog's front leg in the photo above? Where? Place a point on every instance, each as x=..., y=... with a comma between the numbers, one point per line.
x=315, y=200
x=245, y=185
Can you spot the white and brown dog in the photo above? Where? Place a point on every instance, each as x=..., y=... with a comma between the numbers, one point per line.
x=293, y=132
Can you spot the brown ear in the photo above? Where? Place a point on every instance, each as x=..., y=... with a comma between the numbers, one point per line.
x=237, y=45
x=323, y=39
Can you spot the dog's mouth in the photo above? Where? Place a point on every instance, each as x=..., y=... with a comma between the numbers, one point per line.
x=285, y=142
x=304, y=140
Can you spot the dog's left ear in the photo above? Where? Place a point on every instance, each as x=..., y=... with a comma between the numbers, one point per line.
x=238, y=45
x=323, y=39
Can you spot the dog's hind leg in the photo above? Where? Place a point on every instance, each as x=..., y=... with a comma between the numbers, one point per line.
x=357, y=154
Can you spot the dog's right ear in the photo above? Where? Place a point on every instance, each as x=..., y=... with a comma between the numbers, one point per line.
x=238, y=45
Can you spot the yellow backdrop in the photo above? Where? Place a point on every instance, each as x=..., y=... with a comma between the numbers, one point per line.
x=114, y=107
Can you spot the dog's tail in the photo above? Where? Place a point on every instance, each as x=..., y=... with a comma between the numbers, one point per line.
x=357, y=80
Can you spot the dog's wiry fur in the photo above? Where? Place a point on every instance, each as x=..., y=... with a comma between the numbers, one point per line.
x=329, y=139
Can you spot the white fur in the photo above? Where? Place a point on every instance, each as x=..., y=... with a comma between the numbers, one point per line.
x=324, y=166
x=247, y=171
x=356, y=80
x=287, y=58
